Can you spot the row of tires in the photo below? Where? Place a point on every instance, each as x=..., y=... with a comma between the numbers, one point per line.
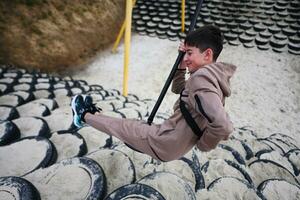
x=202, y=175
x=241, y=22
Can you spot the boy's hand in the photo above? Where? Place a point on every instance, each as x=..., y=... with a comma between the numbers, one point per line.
x=183, y=49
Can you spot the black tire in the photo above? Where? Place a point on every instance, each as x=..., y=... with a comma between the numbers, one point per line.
x=10, y=133
x=292, y=156
x=43, y=129
x=154, y=178
x=239, y=168
x=235, y=153
x=21, y=189
x=5, y=88
x=195, y=166
x=116, y=165
x=290, y=192
x=218, y=183
x=8, y=113
x=283, y=173
x=79, y=148
x=272, y=145
x=11, y=100
x=137, y=190
x=248, y=150
x=44, y=161
x=26, y=96
x=44, y=178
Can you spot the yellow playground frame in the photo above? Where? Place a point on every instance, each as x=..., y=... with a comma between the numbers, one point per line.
x=126, y=27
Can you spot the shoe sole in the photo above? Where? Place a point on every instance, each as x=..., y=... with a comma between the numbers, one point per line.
x=75, y=115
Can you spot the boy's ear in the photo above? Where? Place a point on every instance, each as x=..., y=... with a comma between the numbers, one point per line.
x=209, y=54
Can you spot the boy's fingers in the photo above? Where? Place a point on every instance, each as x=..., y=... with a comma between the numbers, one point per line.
x=181, y=47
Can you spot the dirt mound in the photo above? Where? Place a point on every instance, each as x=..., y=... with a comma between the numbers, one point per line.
x=52, y=35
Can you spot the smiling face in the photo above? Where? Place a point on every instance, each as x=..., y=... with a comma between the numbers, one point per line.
x=194, y=59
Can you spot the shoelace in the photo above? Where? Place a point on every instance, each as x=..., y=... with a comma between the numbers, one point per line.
x=94, y=108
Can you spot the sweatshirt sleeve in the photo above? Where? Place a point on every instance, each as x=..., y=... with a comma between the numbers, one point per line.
x=204, y=96
x=178, y=82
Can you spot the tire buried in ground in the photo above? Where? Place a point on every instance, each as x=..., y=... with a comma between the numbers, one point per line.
x=117, y=166
x=25, y=155
x=270, y=170
x=135, y=191
x=32, y=126
x=17, y=188
x=233, y=188
x=195, y=166
x=176, y=188
x=76, y=178
x=279, y=189
x=68, y=145
x=214, y=169
x=294, y=158
x=94, y=139
x=8, y=132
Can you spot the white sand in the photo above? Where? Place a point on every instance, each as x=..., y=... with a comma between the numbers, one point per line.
x=265, y=88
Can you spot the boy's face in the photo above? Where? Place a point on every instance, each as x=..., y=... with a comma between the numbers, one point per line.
x=194, y=59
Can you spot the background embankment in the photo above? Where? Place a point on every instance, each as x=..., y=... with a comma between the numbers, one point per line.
x=52, y=35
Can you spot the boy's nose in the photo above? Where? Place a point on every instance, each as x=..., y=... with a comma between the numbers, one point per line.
x=184, y=58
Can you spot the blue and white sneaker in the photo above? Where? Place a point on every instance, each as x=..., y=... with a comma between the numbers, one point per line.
x=82, y=104
x=78, y=109
x=90, y=106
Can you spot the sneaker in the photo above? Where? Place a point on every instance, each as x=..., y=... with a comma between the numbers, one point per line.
x=78, y=109
x=88, y=102
x=82, y=104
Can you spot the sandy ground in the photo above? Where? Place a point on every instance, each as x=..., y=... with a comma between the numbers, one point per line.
x=265, y=88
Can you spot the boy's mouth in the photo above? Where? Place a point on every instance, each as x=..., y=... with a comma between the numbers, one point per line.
x=188, y=64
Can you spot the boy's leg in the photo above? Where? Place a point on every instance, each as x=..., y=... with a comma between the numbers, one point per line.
x=133, y=132
x=152, y=140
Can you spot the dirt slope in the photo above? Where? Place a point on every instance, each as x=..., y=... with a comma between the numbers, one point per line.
x=53, y=35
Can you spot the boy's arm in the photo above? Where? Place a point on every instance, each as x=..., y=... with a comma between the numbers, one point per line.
x=178, y=82
x=208, y=103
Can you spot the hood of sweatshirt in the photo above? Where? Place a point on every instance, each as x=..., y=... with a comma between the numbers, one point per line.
x=222, y=72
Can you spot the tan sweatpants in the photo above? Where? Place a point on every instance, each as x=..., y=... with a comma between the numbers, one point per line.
x=136, y=133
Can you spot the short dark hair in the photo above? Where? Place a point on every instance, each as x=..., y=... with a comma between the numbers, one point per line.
x=208, y=36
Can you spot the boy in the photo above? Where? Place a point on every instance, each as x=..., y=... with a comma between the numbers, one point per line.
x=199, y=117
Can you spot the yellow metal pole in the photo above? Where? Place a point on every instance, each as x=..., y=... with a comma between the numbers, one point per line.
x=121, y=32
x=127, y=45
x=182, y=15
x=116, y=44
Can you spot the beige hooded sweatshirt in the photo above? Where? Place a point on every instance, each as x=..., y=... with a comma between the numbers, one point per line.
x=204, y=94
